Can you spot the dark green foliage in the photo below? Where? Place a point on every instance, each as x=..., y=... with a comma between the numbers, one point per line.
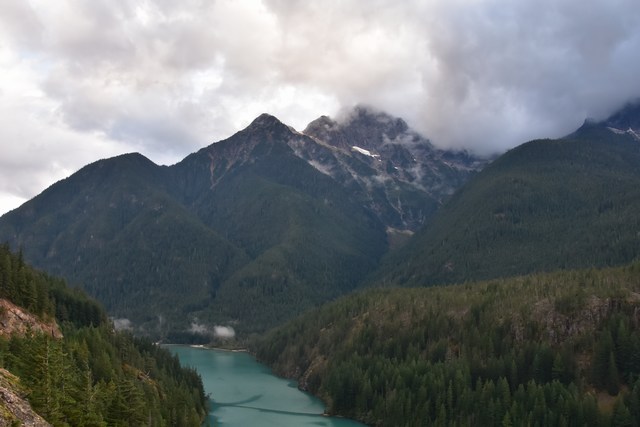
x=545, y=205
x=93, y=376
x=22, y=285
x=96, y=377
x=506, y=352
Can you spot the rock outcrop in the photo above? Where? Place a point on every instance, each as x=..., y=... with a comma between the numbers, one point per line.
x=16, y=321
x=14, y=408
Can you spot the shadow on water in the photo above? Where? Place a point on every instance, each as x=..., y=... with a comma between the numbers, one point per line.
x=239, y=402
x=243, y=404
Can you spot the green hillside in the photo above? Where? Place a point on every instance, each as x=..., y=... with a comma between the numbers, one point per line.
x=547, y=204
x=93, y=376
x=113, y=229
x=548, y=349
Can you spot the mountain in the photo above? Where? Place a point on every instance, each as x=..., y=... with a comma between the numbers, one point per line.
x=545, y=205
x=114, y=230
x=304, y=238
x=248, y=231
x=547, y=349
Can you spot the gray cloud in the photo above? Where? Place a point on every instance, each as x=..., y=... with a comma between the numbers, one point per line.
x=87, y=79
x=484, y=75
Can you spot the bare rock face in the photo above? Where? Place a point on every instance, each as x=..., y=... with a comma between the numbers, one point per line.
x=14, y=408
x=400, y=176
x=16, y=321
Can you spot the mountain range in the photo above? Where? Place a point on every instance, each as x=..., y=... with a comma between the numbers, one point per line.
x=246, y=232
x=255, y=229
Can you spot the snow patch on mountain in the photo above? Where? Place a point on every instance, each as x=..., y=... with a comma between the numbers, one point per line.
x=629, y=131
x=365, y=152
x=616, y=131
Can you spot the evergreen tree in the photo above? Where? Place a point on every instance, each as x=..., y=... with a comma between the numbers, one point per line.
x=621, y=416
x=613, y=382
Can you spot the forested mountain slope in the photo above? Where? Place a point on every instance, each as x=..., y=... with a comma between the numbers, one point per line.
x=547, y=204
x=548, y=349
x=91, y=375
x=248, y=231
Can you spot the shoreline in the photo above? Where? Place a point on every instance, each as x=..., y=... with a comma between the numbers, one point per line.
x=232, y=350
x=204, y=347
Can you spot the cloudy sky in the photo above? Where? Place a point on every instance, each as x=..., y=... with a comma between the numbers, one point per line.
x=82, y=80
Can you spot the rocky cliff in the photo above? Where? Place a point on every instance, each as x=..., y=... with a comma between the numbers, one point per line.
x=14, y=408
x=16, y=321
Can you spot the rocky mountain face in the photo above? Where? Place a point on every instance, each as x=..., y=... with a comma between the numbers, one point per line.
x=386, y=167
x=248, y=231
x=396, y=172
x=16, y=321
x=14, y=408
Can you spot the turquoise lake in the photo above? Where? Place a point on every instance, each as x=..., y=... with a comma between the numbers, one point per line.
x=246, y=393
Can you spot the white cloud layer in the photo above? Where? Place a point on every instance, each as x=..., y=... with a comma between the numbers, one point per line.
x=86, y=79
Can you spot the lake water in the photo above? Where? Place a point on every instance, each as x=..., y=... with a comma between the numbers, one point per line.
x=246, y=393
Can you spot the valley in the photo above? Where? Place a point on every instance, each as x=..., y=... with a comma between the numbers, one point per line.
x=320, y=251
x=319, y=213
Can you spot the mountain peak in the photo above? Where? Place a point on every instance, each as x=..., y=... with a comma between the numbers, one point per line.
x=365, y=115
x=265, y=121
x=369, y=126
x=266, y=127
x=321, y=125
